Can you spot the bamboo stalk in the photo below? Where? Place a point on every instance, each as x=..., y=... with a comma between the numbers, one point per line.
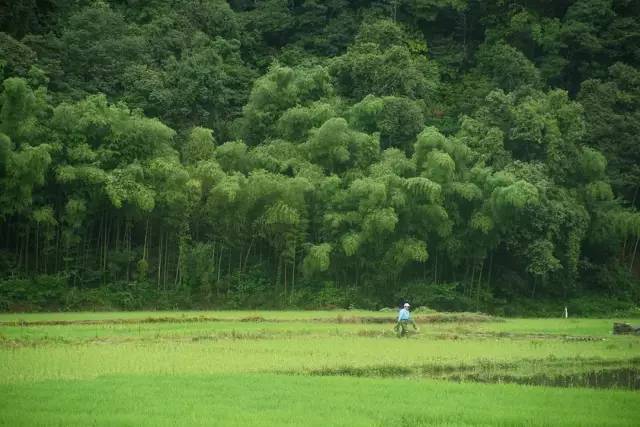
x=146, y=236
x=26, y=252
x=159, y=260
x=246, y=258
x=219, y=268
x=163, y=274
x=293, y=273
x=37, y=252
x=285, y=279
x=633, y=257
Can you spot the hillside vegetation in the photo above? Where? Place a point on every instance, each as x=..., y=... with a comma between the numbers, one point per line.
x=467, y=155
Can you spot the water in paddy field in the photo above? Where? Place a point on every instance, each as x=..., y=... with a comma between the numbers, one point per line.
x=618, y=378
x=623, y=378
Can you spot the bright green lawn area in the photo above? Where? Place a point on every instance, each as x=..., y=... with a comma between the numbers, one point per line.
x=264, y=400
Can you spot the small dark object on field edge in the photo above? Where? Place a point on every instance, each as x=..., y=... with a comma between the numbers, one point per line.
x=625, y=328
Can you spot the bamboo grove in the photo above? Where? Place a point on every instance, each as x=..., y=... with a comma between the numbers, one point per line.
x=460, y=153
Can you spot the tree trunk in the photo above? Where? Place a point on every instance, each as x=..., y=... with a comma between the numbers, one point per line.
x=146, y=236
x=129, y=257
x=464, y=36
x=293, y=274
x=229, y=265
x=26, y=251
x=278, y=272
x=87, y=246
x=466, y=277
x=213, y=261
x=246, y=257
x=166, y=261
x=175, y=282
x=159, y=260
x=37, y=253
x=117, y=244
x=220, y=262
x=473, y=276
x=284, y=260
x=357, y=263
x=633, y=256
x=46, y=249
x=98, y=253
x=490, y=270
x=5, y=235
x=435, y=269
x=107, y=242
x=478, y=287
x=56, y=255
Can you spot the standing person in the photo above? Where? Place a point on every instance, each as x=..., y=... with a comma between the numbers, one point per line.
x=404, y=318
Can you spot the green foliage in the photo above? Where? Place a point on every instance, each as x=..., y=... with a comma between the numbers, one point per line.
x=199, y=146
x=318, y=259
x=397, y=119
x=262, y=153
x=398, y=71
x=611, y=108
x=506, y=67
x=17, y=58
x=424, y=188
x=408, y=250
x=277, y=91
x=439, y=296
x=294, y=125
x=541, y=259
x=249, y=290
x=350, y=243
x=334, y=146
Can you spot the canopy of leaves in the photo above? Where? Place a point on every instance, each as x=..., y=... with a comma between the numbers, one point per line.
x=202, y=146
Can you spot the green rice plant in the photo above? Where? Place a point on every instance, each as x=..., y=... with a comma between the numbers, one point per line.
x=280, y=400
x=312, y=368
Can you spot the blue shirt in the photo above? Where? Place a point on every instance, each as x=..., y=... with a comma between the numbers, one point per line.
x=404, y=314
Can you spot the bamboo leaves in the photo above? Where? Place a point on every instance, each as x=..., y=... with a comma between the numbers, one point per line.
x=423, y=188
x=317, y=259
x=362, y=155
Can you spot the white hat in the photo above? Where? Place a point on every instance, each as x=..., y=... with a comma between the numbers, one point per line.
x=406, y=304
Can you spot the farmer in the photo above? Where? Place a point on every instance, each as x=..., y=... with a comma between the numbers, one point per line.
x=404, y=318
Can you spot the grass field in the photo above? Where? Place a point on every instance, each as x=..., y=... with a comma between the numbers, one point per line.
x=313, y=368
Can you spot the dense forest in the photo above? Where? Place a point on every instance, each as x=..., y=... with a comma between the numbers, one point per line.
x=464, y=154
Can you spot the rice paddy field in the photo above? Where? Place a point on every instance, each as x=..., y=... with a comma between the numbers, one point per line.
x=314, y=368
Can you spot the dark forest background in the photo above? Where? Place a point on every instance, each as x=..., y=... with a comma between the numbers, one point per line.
x=465, y=154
